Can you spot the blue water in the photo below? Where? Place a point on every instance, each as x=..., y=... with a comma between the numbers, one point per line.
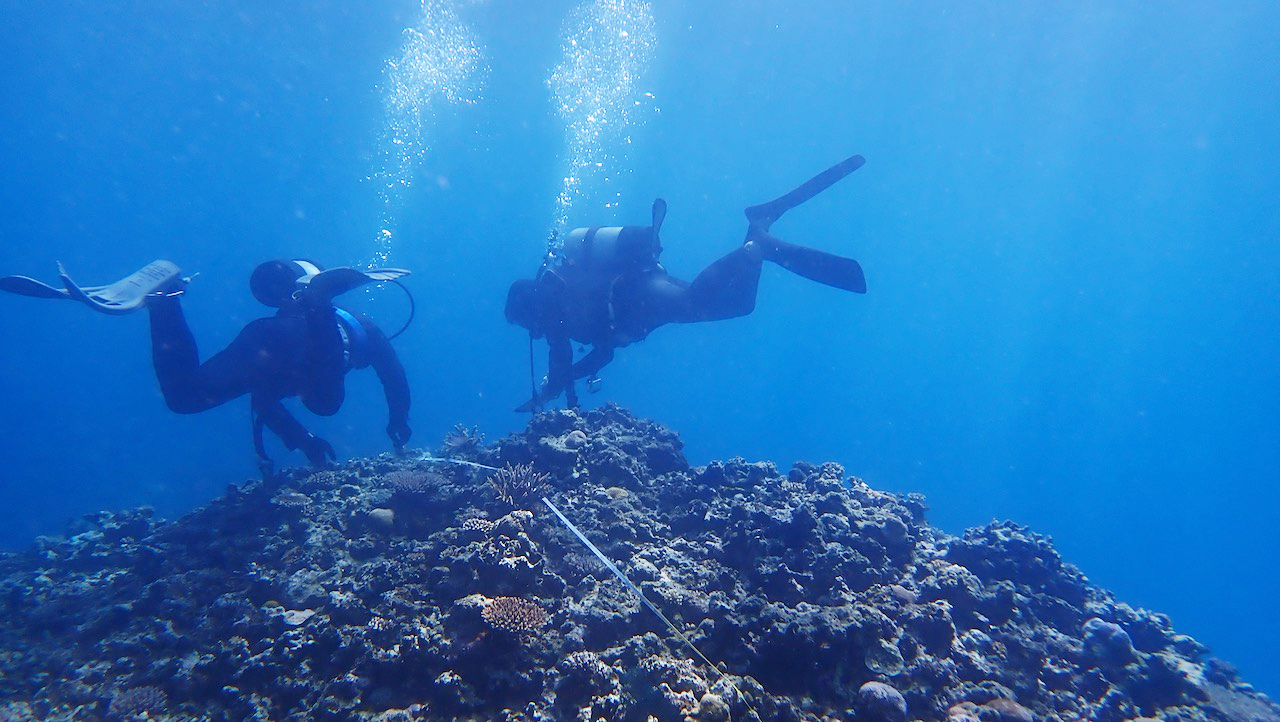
x=1067, y=219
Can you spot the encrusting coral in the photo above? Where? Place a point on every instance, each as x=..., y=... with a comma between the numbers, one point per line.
x=340, y=596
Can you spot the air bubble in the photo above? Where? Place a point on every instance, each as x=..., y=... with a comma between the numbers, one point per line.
x=440, y=64
x=608, y=46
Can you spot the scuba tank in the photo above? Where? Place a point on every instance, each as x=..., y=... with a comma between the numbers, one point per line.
x=612, y=250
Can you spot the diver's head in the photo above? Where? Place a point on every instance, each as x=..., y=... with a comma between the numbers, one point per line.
x=522, y=304
x=275, y=283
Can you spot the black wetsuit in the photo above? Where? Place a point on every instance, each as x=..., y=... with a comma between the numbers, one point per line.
x=623, y=294
x=298, y=352
x=612, y=310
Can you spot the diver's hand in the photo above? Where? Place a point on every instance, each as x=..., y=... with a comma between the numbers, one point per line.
x=535, y=404
x=546, y=395
x=399, y=433
x=319, y=452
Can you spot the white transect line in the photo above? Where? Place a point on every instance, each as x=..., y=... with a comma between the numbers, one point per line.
x=636, y=590
x=460, y=462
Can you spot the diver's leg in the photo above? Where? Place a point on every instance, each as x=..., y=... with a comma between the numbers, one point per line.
x=188, y=386
x=764, y=215
x=174, y=354
x=641, y=302
x=727, y=288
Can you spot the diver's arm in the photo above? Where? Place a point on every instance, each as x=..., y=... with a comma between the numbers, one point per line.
x=599, y=357
x=559, y=368
x=562, y=372
x=294, y=436
x=587, y=368
x=395, y=385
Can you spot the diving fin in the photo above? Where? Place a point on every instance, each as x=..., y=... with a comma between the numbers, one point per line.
x=129, y=293
x=825, y=268
x=24, y=286
x=764, y=215
x=126, y=295
x=324, y=286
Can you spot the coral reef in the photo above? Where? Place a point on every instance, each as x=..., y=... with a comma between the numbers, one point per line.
x=398, y=588
x=518, y=483
x=513, y=614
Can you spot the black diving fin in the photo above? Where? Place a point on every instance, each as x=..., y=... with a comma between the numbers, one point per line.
x=124, y=296
x=825, y=268
x=24, y=286
x=325, y=286
x=764, y=215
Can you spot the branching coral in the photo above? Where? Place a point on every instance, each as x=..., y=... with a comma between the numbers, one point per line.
x=514, y=483
x=514, y=614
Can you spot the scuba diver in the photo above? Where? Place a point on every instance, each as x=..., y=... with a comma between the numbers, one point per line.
x=605, y=287
x=304, y=350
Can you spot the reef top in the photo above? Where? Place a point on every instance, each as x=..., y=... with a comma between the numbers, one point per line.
x=406, y=588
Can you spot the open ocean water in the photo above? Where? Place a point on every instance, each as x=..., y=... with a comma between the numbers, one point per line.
x=1067, y=219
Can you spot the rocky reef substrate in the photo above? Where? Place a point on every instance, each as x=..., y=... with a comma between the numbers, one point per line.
x=405, y=589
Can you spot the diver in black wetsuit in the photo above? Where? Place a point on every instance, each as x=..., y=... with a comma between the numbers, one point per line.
x=305, y=350
x=607, y=289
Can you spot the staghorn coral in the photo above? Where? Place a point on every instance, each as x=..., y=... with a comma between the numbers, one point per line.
x=515, y=483
x=514, y=614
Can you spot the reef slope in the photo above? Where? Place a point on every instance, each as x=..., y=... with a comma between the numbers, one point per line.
x=400, y=589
